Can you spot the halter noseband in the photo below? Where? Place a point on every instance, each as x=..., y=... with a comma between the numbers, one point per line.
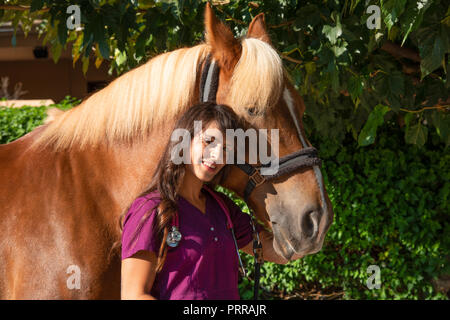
x=303, y=158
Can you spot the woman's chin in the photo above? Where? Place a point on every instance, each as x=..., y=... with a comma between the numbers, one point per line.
x=206, y=177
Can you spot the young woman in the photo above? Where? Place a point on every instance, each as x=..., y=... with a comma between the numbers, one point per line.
x=201, y=262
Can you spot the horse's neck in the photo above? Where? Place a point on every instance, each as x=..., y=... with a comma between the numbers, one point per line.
x=130, y=167
x=107, y=175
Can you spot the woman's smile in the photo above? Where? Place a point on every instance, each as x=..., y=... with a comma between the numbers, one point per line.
x=209, y=165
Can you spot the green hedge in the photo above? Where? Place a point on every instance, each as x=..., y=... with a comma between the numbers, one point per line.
x=391, y=205
x=15, y=122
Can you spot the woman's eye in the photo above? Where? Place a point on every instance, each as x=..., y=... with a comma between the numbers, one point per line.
x=208, y=141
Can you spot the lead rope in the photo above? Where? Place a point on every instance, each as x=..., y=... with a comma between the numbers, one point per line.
x=258, y=254
x=238, y=254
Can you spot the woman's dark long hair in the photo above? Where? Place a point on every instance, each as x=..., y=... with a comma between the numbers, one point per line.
x=168, y=176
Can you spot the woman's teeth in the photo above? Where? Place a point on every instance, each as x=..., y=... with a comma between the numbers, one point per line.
x=210, y=165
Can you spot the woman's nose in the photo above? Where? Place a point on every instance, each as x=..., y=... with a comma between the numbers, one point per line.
x=216, y=153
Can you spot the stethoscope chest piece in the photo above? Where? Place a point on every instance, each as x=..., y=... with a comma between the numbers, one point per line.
x=174, y=237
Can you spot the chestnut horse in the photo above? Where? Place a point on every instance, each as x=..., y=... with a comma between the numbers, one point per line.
x=65, y=184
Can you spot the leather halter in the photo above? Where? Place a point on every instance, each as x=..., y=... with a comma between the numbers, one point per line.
x=303, y=158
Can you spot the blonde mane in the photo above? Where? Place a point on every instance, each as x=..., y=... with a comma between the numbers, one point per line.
x=159, y=91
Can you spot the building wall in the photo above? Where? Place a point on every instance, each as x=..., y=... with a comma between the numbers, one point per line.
x=42, y=78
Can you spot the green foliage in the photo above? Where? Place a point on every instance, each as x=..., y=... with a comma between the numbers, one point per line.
x=16, y=122
x=369, y=131
x=67, y=103
x=391, y=205
x=362, y=104
x=336, y=62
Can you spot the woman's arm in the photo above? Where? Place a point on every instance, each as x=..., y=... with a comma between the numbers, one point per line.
x=269, y=253
x=138, y=274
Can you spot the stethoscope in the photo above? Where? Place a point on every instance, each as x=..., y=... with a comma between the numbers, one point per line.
x=174, y=236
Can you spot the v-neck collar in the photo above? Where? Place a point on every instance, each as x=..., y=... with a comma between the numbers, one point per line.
x=197, y=209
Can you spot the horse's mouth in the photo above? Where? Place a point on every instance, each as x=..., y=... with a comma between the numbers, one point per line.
x=286, y=249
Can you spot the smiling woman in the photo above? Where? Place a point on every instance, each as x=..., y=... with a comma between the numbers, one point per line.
x=175, y=242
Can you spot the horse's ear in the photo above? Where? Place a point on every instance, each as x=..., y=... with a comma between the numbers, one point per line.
x=257, y=29
x=225, y=48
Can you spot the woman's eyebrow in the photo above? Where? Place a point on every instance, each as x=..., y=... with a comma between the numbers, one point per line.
x=207, y=136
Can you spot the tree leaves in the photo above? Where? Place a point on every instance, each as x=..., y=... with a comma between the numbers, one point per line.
x=332, y=33
x=307, y=18
x=330, y=53
x=416, y=134
x=100, y=34
x=390, y=87
x=391, y=11
x=441, y=122
x=36, y=5
x=355, y=87
x=85, y=64
x=433, y=45
x=369, y=131
x=413, y=17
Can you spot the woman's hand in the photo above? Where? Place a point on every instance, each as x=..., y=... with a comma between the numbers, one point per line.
x=138, y=275
x=269, y=253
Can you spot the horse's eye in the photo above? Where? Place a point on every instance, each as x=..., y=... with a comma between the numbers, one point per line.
x=251, y=111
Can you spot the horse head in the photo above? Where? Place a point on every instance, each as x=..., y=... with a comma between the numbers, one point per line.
x=252, y=80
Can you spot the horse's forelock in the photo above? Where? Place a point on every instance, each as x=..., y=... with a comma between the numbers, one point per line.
x=258, y=78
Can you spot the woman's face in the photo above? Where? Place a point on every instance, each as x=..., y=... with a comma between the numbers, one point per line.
x=207, y=152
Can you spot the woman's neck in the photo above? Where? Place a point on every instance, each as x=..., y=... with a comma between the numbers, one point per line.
x=191, y=188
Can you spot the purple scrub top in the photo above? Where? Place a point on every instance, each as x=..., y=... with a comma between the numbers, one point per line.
x=205, y=264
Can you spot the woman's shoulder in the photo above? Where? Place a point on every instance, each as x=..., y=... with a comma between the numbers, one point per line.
x=138, y=226
x=143, y=204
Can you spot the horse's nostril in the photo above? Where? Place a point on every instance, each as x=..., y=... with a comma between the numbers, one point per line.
x=310, y=223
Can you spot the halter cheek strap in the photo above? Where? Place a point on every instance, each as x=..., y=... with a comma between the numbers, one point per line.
x=209, y=81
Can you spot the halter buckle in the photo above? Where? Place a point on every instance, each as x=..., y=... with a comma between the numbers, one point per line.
x=257, y=178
